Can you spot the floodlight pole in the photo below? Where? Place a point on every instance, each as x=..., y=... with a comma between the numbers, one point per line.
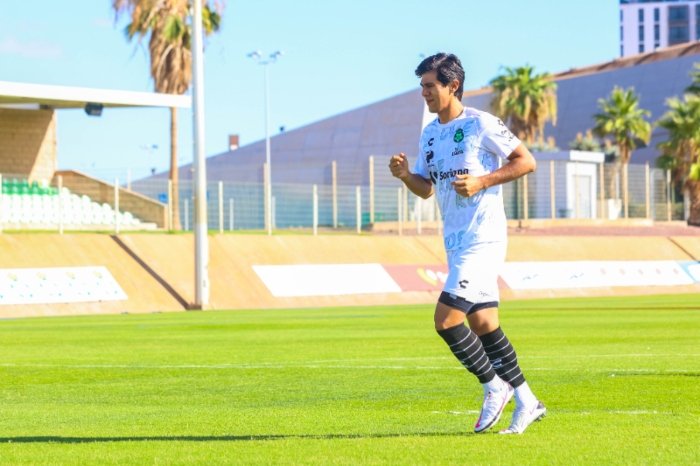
x=201, y=252
x=272, y=58
x=268, y=187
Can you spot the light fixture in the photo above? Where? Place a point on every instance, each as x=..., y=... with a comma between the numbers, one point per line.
x=93, y=109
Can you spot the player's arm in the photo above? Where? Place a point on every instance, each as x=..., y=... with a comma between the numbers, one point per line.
x=416, y=183
x=520, y=163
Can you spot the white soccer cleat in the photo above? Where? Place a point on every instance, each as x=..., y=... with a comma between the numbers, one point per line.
x=523, y=417
x=491, y=410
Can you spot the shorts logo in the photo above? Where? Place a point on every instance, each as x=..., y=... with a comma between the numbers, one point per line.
x=459, y=135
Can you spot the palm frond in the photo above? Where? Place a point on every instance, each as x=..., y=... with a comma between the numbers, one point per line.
x=525, y=100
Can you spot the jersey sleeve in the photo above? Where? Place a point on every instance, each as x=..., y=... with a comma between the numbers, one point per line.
x=496, y=137
x=420, y=167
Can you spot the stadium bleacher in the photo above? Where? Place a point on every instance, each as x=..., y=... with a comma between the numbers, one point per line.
x=37, y=205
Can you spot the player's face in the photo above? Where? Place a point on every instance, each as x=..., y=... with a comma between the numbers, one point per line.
x=436, y=95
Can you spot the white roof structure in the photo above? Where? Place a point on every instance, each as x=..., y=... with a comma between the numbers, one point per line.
x=304, y=155
x=24, y=95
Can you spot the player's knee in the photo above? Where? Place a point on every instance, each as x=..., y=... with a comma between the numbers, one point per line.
x=440, y=325
x=483, y=318
x=444, y=321
x=481, y=328
x=485, y=324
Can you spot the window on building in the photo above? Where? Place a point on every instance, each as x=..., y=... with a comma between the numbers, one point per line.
x=641, y=48
x=641, y=33
x=657, y=36
x=678, y=35
x=657, y=15
x=678, y=13
x=697, y=21
x=640, y=15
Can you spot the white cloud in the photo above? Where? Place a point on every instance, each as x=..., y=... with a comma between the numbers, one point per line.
x=44, y=50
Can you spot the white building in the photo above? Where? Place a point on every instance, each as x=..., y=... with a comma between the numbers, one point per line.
x=575, y=190
x=648, y=25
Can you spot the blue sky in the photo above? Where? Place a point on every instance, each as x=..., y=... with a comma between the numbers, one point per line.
x=338, y=55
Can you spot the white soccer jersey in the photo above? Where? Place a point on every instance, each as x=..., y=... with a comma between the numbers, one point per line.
x=472, y=143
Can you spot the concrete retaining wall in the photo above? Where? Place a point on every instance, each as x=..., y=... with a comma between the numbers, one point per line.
x=156, y=271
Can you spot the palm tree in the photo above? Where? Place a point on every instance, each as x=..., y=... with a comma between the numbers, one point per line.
x=525, y=102
x=682, y=121
x=585, y=142
x=623, y=120
x=694, y=87
x=167, y=24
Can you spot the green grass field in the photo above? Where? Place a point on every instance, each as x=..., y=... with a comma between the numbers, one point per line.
x=620, y=377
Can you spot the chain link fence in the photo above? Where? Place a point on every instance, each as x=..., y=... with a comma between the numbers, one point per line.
x=557, y=190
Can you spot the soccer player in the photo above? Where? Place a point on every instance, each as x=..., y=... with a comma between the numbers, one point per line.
x=460, y=154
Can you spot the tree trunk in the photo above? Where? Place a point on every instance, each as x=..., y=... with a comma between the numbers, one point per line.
x=625, y=155
x=694, y=192
x=175, y=202
x=625, y=190
x=613, y=190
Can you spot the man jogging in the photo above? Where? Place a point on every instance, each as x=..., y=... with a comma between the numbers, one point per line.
x=460, y=154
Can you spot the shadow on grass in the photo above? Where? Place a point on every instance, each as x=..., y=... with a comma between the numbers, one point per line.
x=220, y=438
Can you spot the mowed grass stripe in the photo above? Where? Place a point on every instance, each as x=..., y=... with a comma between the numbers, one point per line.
x=347, y=386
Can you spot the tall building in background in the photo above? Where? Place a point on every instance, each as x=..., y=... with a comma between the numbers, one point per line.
x=648, y=25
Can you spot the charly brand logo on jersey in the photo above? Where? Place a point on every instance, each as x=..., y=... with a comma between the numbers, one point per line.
x=429, y=156
x=459, y=135
x=430, y=141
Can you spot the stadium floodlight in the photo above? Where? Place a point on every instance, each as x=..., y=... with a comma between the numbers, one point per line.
x=259, y=57
x=93, y=109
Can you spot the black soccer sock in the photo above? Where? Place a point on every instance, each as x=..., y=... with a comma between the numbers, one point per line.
x=466, y=347
x=502, y=356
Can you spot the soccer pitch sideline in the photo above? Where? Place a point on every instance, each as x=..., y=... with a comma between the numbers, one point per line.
x=620, y=378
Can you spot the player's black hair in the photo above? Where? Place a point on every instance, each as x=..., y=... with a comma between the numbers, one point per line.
x=448, y=68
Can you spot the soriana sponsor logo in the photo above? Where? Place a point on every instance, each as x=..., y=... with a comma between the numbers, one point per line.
x=418, y=277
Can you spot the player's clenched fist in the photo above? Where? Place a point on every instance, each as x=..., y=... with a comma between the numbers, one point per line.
x=467, y=185
x=399, y=166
